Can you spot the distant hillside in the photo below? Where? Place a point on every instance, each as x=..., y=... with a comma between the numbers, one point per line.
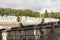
x=18, y=12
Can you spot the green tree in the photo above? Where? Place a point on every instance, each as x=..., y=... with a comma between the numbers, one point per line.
x=53, y=15
x=46, y=14
x=57, y=15
x=42, y=21
x=1, y=11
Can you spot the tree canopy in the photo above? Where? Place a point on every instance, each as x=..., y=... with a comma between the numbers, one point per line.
x=19, y=12
x=57, y=14
x=51, y=14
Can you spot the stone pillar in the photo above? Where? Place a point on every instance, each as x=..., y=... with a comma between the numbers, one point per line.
x=42, y=35
x=4, y=35
x=36, y=34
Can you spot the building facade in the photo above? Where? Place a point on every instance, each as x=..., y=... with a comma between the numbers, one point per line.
x=13, y=30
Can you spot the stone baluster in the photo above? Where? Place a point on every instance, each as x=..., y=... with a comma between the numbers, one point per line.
x=4, y=35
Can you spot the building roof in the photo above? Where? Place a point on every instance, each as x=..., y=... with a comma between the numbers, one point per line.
x=9, y=25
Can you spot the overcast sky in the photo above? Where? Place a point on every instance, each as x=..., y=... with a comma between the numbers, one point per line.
x=38, y=5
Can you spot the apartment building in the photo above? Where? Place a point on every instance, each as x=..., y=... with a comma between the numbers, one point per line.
x=32, y=20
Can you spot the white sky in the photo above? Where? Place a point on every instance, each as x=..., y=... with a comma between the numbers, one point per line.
x=37, y=5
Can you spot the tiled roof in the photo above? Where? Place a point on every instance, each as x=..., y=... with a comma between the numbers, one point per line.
x=9, y=25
